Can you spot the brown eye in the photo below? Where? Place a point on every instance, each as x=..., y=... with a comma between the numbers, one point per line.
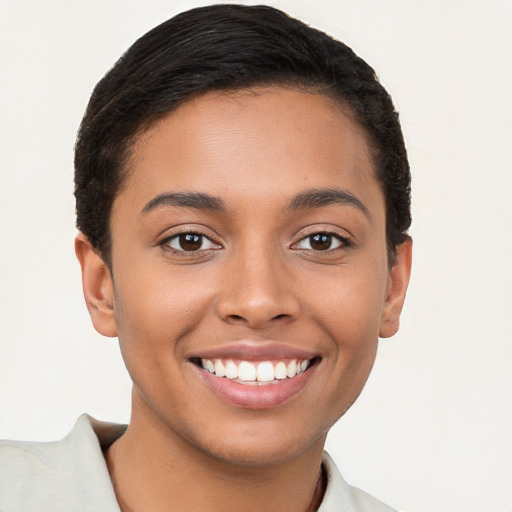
x=322, y=242
x=190, y=242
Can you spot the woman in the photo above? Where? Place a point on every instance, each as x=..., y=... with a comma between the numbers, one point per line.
x=243, y=200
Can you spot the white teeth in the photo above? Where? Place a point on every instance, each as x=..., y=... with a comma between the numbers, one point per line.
x=246, y=371
x=264, y=371
x=210, y=366
x=291, y=369
x=220, y=371
x=231, y=370
x=280, y=371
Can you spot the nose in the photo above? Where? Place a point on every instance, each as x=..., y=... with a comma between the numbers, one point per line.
x=257, y=290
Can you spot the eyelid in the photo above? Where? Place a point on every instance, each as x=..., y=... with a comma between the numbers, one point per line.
x=178, y=231
x=343, y=235
x=175, y=238
x=342, y=242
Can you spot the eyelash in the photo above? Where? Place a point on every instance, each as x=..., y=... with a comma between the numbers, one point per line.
x=165, y=243
x=344, y=242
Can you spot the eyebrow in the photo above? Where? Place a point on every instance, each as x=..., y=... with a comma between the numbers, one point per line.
x=186, y=199
x=313, y=198
x=316, y=198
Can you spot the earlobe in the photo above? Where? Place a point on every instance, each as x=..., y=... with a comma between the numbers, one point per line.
x=398, y=281
x=97, y=286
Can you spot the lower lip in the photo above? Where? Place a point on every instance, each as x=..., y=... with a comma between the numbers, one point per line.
x=251, y=396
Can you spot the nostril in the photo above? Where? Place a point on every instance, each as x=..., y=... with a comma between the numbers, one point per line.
x=240, y=317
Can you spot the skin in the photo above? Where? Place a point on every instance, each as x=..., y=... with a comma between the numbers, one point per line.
x=259, y=279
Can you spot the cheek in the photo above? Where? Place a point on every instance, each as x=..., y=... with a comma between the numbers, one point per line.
x=154, y=317
x=352, y=326
x=350, y=303
x=349, y=309
x=156, y=311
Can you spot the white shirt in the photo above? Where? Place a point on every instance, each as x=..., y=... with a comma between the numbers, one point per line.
x=71, y=475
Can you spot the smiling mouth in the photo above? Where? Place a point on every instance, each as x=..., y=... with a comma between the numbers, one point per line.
x=256, y=373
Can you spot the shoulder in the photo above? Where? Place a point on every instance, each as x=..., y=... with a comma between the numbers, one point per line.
x=70, y=474
x=339, y=495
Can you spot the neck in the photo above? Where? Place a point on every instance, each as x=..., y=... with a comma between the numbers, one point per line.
x=155, y=470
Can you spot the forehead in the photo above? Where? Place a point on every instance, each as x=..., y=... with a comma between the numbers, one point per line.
x=256, y=143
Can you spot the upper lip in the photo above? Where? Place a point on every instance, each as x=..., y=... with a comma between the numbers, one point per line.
x=254, y=351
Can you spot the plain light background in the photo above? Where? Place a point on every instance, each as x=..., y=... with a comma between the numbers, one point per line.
x=432, y=429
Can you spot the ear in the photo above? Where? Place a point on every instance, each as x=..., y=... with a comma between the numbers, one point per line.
x=398, y=281
x=98, y=287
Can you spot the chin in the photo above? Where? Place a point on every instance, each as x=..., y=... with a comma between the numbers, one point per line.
x=260, y=447
x=256, y=456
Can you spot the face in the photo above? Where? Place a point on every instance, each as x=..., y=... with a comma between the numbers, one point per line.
x=250, y=280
